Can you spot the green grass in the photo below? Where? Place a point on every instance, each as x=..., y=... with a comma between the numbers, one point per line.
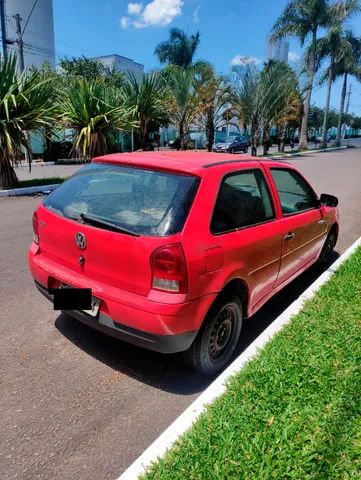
x=34, y=182
x=293, y=412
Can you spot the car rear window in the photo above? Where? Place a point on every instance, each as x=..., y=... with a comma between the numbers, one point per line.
x=140, y=200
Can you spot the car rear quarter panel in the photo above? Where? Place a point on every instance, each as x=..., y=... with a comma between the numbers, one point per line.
x=251, y=254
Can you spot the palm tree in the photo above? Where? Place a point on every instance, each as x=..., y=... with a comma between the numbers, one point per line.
x=179, y=49
x=279, y=99
x=146, y=99
x=214, y=92
x=26, y=103
x=349, y=66
x=337, y=47
x=303, y=19
x=95, y=110
x=245, y=103
x=184, y=102
x=265, y=99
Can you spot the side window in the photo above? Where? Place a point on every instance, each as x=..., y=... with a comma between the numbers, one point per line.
x=294, y=192
x=243, y=200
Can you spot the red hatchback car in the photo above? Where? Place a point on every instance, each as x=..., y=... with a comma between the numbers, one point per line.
x=178, y=247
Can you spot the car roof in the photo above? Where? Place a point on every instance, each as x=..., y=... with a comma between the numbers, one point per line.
x=190, y=162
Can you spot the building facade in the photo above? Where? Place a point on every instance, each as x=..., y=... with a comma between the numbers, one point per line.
x=36, y=22
x=121, y=64
x=278, y=51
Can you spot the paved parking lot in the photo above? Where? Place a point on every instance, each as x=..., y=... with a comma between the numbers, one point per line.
x=77, y=404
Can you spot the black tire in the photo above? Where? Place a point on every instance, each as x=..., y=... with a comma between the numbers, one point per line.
x=231, y=150
x=245, y=149
x=216, y=341
x=325, y=258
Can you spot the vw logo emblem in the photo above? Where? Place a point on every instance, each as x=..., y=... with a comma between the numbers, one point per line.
x=80, y=240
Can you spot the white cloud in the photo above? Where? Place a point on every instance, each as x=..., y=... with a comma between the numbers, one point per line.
x=245, y=60
x=134, y=8
x=293, y=57
x=157, y=13
x=124, y=22
x=195, y=14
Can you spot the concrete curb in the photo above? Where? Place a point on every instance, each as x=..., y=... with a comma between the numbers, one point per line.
x=306, y=152
x=184, y=422
x=16, y=192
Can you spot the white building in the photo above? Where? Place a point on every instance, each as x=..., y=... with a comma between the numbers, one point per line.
x=121, y=64
x=278, y=51
x=38, y=26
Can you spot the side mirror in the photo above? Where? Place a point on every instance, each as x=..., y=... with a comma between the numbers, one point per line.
x=328, y=200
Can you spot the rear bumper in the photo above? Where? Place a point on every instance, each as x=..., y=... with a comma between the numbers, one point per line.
x=160, y=322
x=103, y=323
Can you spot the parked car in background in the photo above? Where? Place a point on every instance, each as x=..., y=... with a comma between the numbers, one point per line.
x=233, y=144
x=318, y=138
x=176, y=249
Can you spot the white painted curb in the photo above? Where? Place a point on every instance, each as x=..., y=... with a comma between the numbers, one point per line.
x=159, y=447
x=306, y=152
x=15, y=192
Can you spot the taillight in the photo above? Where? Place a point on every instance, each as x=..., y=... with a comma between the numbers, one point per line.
x=35, y=228
x=169, y=269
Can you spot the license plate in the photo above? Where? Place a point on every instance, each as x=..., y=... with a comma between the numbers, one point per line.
x=95, y=303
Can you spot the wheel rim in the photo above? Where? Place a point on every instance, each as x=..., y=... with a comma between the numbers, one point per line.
x=221, y=332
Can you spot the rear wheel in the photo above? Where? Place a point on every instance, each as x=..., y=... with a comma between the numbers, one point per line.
x=231, y=150
x=216, y=341
x=327, y=251
x=245, y=149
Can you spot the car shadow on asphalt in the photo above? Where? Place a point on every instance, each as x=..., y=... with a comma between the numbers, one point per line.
x=168, y=372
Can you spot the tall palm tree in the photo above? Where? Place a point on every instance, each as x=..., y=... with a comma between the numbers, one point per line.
x=26, y=103
x=214, y=92
x=349, y=66
x=179, y=49
x=94, y=110
x=303, y=19
x=184, y=102
x=146, y=99
x=337, y=47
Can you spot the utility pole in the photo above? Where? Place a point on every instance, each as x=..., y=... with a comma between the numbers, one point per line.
x=19, y=41
x=3, y=28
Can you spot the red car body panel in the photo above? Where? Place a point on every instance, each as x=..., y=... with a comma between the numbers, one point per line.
x=118, y=268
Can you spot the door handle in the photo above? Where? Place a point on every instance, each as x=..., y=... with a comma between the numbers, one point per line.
x=289, y=236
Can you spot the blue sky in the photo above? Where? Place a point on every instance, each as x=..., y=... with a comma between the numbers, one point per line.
x=133, y=29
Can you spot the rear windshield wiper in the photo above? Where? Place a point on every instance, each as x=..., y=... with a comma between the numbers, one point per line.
x=87, y=218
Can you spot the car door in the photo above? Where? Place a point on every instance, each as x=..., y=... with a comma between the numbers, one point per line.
x=244, y=219
x=302, y=224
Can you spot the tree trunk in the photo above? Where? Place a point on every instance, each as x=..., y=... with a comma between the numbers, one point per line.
x=327, y=107
x=144, y=136
x=266, y=137
x=307, y=104
x=342, y=106
x=8, y=176
x=282, y=137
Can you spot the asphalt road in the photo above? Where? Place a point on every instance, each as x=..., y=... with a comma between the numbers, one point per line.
x=77, y=404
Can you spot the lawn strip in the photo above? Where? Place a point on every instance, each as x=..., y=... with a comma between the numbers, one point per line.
x=294, y=411
x=37, y=182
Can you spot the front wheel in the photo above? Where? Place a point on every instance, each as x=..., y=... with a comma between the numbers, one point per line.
x=326, y=254
x=217, y=339
x=245, y=149
x=231, y=150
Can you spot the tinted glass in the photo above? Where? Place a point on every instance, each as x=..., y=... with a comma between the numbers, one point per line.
x=294, y=192
x=143, y=201
x=243, y=200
